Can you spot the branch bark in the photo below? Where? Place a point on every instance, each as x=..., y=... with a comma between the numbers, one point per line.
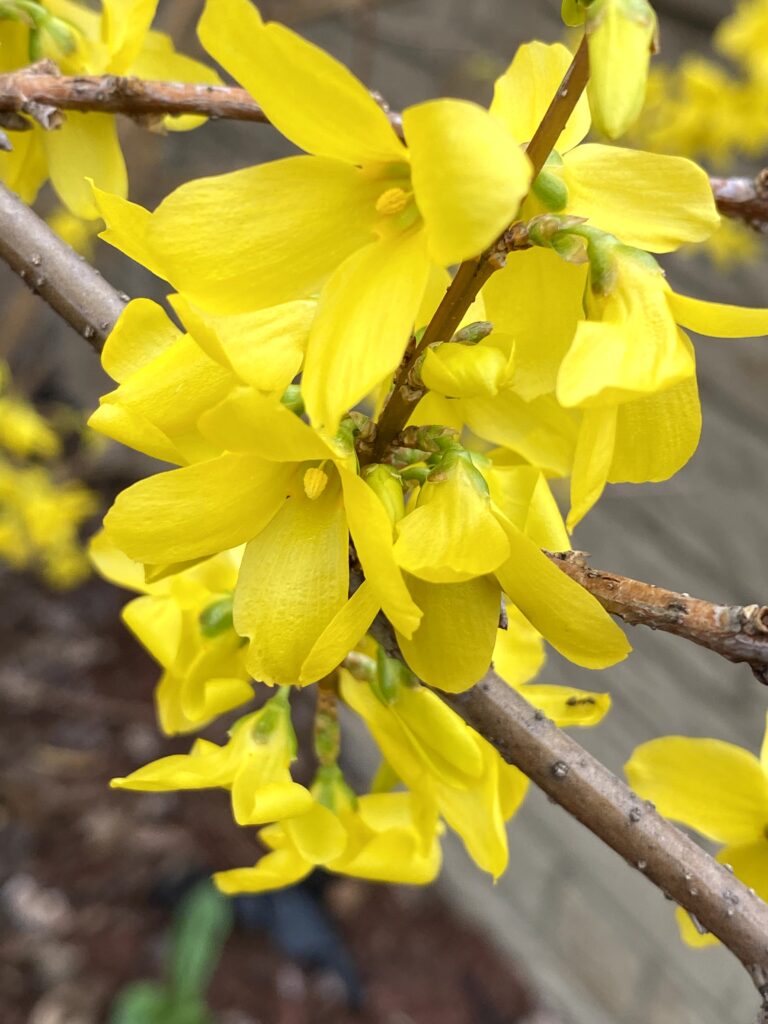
x=54, y=271
x=744, y=199
x=736, y=632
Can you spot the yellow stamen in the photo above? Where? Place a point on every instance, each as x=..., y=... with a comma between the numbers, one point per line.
x=392, y=201
x=315, y=480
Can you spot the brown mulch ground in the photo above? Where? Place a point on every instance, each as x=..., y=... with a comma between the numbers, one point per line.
x=85, y=871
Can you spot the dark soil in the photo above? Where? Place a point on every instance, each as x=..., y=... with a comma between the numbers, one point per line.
x=88, y=875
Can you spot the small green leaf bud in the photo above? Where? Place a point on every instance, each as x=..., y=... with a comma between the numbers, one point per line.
x=386, y=482
x=216, y=618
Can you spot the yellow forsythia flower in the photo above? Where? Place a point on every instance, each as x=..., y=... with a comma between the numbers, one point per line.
x=718, y=789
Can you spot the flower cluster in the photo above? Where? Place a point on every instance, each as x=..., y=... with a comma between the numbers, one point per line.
x=292, y=520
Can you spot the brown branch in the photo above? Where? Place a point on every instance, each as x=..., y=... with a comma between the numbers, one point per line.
x=736, y=632
x=744, y=199
x=27, y=90
x=55, y=272
x=586, y=789
x=472, y=274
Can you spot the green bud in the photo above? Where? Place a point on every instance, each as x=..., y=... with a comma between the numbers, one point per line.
x=386, y=482
x=216, y=618
x=473, y=333
x=291, y=399
x=550, y=190
x=331, y=790
x=62, y=34
x=391, y=674
x=572, y=13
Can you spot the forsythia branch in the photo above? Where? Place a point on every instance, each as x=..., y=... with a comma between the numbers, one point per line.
x=555, y=762
x=744, y=199
x=737, y=632
x=70, y=285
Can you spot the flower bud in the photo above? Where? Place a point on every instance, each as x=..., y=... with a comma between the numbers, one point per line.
x=385, y=481
x=216, y=618
x=621, y=36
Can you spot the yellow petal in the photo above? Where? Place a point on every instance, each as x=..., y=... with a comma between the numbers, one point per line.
x=198, y=510
x=453, y=645
x=264, y=349
x=113, y=565
x=567, y=615
x=439, y=731
x=519, y=651
x=228, y=243
x=142, y=332
x=393, y=857
x=293, y=580
x=463, y=372
x=318, y=835
x=157, y=624
x=523, y=495
x=248, y=421
x=151, y=395
x=309, y=96
x=543, y=330
x=275, y=870
x=25, y=168
x=371, y=532
x=126, y=229
x=655, y=436
x=592, y=461
x=602, y=182
x=542, y=431
x=613, y=361
x=341, y=634
x=452, y=535
x=567, y=706
x=125, y=24
x=85, y=147
x=364, y=319
x=522, y=95
x=469, y=176
x=714, y=787
x=130, y=428
x=716, y=319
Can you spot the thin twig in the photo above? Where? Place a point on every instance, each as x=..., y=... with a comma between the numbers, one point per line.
x=53, y=270
x=736, y=632
x=472, y=274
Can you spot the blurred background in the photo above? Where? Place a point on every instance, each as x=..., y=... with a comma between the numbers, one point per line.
x=91, y=880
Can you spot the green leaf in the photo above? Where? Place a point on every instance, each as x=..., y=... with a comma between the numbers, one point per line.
x=143, y=1002
x=201, y=927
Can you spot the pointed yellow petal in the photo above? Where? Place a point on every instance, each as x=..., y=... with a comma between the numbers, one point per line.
x=198, y=510
x=717, y=788
x=293, y=580
x=452, y=535
x=567, y=706
x=264, y=349
x=126, y=229
x=309, y=96
x=364, y=319
x=453, y=645
x=523, y=495
x=439, y=731
x=274, y=871
x=113, y=565
x=142, y=331
x=567, y=615
x=601, y=183
x=371, y=532
x=157, y=624
x=716, y=319
x=593, y=459
x=543, y=331
x=522, y=95
x=229, y=243
x=469, y=176
x=125, y=24
x=341, y=634
x=393, y=856
x=86, y=146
